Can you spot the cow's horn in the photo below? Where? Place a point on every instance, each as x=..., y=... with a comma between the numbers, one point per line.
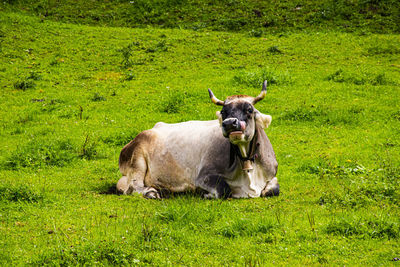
x=215, y=100
x=262, y=94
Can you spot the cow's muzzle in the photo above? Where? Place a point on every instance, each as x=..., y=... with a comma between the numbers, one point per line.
x=232, y=126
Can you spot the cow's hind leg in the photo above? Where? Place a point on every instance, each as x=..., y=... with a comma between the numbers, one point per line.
x=133, y=180
x=128, y=186
x=123, y=186
x=272, y=188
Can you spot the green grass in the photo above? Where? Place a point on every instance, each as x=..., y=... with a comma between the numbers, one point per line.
x=253, y=17
x=73, y=95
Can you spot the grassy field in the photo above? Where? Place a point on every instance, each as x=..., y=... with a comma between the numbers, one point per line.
x=72, y=96
x=254, y=17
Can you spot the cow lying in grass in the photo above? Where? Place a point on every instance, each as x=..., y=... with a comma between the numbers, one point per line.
x=231, y=156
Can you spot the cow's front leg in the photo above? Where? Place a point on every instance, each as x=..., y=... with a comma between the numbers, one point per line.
x=214, y=185
x=271, y=189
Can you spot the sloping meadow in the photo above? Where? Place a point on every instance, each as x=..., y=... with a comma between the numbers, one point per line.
x=72, y=96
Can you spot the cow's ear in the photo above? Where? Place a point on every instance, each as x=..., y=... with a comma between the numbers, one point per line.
x=263, y=120
x=218, y=114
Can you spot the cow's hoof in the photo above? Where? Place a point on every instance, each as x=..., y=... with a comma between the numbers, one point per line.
x=274, y=192
x=152, y=195
x=272, y=189
x=210, y=196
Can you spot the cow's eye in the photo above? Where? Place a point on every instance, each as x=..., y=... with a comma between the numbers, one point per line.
x=222, y=112
x=250, y=110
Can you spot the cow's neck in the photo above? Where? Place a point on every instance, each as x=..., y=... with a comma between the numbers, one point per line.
x=246, y=152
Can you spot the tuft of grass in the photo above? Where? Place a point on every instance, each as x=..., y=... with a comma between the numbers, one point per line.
x=19, y=193
x=128, y=54
x=358, y=185
x=343, y=227
x=97, y=97
x=161, y=46
x=50, y=105
x=365, y=228
x=396, y=115
x=129, y=76
x=245, y=227
x=121, y=138
x=149, y=231
x=24, y=84
x=381, y=79
x=175, y=214
x=256, y=33
x=39, y=153
x=34, y=76
x=134, y=53
x=174, y=102
x=89, y=149
x=304, y=114
x=390, y=170
x=252, y=261
x=28, y=82
x=383, y=49
x=341, y=76
x=328, y=168
x=322, y=116
x=104, y=253
x=233, y=24
x=170, y=215
x=344, y=199
x=274, y=50
x=59, y=153
x=256, y=78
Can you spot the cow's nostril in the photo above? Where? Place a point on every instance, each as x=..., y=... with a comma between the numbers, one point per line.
x=231, y=124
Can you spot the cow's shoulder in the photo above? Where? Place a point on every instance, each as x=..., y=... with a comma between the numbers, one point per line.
x=267, y=156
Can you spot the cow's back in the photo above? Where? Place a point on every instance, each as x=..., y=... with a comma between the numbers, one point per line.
x=188, y=142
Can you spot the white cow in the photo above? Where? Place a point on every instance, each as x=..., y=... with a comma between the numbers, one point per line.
x=231, y=156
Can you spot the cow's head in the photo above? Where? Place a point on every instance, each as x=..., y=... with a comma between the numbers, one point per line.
x=239, y=118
